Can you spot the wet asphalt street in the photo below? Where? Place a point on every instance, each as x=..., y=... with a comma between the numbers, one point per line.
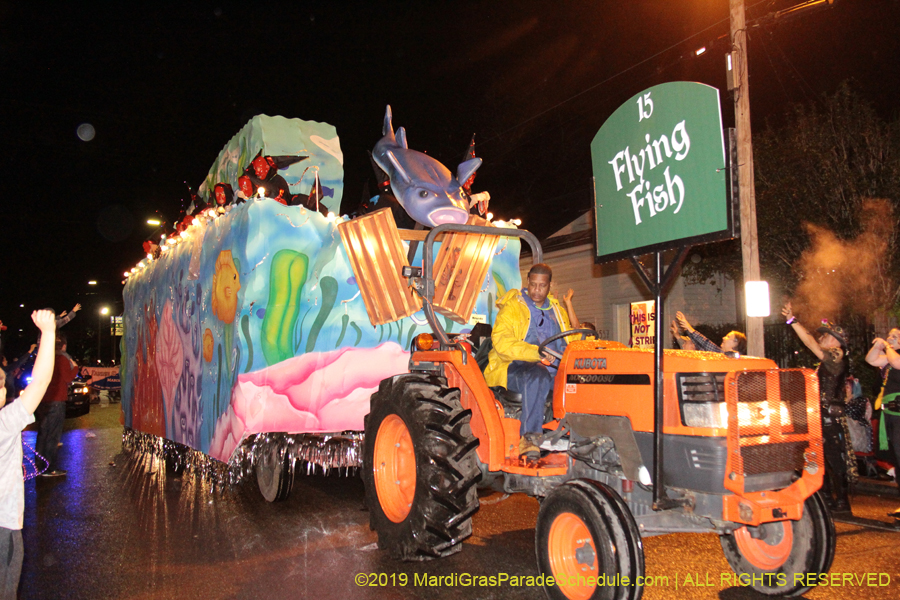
x=118, y=528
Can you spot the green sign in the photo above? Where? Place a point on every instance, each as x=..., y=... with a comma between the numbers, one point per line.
x=659, y=172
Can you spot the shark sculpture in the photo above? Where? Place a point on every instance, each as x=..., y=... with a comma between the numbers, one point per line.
x=426, y=189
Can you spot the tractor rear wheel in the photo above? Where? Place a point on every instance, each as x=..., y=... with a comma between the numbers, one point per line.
x=770, y=555
x=420, y=468
x=587, y=540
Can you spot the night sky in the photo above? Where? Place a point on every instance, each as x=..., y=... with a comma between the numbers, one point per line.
x=165, y=87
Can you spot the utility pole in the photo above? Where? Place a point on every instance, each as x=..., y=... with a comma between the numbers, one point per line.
x=749, y=240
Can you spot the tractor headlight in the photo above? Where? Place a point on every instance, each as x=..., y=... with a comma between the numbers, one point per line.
x=759, y=414
x=701, y=397
x=705, y=414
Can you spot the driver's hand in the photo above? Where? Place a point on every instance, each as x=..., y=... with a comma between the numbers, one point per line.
x=547, y=359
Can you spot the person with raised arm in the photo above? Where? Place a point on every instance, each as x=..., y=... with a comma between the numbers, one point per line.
x=15, y=415
x=734, y=344
x=840, y=461
x=885, y=354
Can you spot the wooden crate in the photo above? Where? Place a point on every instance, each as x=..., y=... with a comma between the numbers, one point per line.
x=377, y=255
x=461, y=268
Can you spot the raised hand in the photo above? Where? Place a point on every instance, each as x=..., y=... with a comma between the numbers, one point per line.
x=682, y=321
x=787, y=312
x=44, y=319
x=675, y=329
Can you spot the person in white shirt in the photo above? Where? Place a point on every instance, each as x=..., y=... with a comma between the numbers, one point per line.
x=14, y=417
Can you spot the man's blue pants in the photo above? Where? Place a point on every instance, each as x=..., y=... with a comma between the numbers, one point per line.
x=535, y=382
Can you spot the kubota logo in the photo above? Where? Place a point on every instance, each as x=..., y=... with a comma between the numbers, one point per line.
x=590, y=363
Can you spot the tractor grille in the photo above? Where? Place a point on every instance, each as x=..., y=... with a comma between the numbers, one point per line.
x=772, y=415
x=701, y=387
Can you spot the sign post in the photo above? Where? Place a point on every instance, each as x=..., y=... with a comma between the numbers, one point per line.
x=661, y=182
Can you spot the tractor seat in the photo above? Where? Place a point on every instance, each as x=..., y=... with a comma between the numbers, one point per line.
x=480, y=338
x=509, y=400
x=512, y=403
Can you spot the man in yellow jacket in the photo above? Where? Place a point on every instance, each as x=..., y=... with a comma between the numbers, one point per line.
x=527, y=317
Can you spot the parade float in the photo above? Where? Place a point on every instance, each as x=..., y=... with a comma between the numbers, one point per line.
x=257, y=330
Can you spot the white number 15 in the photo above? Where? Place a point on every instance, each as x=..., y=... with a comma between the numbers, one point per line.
x=645, y=107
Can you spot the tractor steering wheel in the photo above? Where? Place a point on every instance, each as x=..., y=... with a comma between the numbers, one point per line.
x=543, y=346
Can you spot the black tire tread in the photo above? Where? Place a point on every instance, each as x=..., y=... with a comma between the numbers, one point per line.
x=446, y=467
x=607, y=512
x=819, y=556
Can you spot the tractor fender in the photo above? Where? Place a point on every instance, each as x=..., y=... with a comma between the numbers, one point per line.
x=616, y=428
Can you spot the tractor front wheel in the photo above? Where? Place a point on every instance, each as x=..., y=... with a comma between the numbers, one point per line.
x=587, y=540
x=768, y=557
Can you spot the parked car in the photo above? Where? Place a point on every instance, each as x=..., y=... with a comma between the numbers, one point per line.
x=78, y=402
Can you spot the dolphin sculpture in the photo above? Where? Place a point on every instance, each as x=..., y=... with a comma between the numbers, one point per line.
x=426, y=189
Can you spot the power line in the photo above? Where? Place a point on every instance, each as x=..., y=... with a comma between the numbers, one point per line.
x=610, y=78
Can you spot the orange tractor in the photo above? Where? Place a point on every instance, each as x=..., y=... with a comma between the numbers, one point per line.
x=739, y=454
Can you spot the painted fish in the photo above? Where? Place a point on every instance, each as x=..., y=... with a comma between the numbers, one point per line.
x=425, y=188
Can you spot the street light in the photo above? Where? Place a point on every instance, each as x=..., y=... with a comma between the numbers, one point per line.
x=158, y=222
x=756, y=294
x=103, y=311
